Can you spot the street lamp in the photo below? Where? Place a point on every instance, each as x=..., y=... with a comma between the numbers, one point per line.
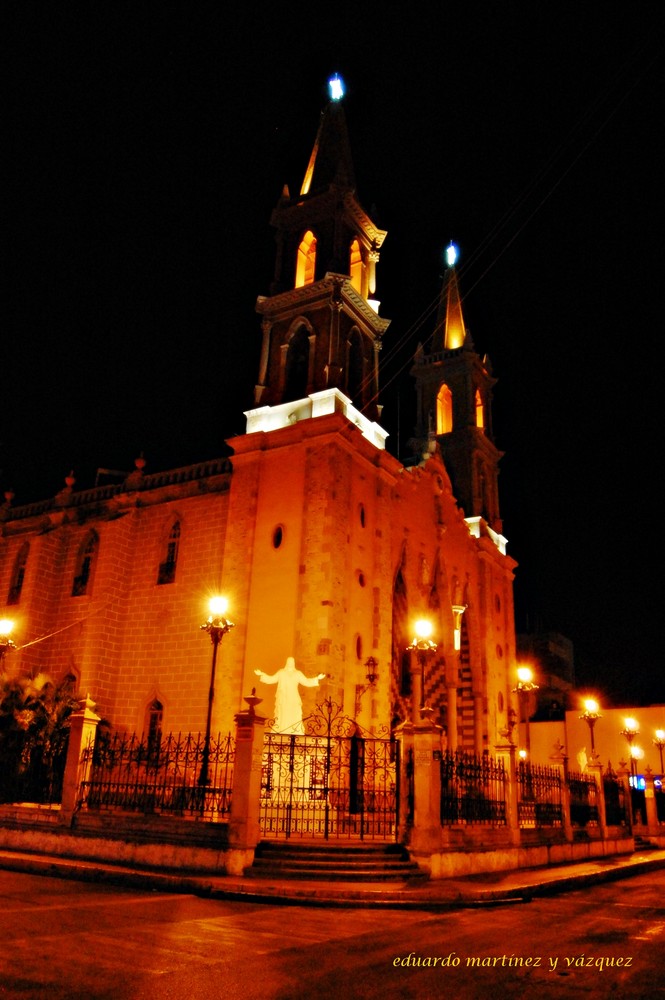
x=422, y=645
x=6, y=629
x=659, y=742
x=630, y=731
x=216, y=626
x=525, y=685
x=371, y=664
x=590, y=716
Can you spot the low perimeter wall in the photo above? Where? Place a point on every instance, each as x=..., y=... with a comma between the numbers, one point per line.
x=190, y=847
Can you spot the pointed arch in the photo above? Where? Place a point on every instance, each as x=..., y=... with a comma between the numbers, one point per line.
x=85, y=564
x=167, y=567
x=356, y=266
x=297, y=365
x=154, y=717
x=444, y=410
x=306, y=260
x=480, y=410
x=18, y=574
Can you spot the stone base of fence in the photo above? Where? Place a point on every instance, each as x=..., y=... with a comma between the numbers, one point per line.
x=456, y=864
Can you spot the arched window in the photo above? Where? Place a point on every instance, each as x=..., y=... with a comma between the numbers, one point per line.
x=297, y=366
x=85, y=564
x=167, y=568
x=306, y=260
x=355, y=365
x=16, y=585
x=356, y=267
x=480, y=410
x=444, y=410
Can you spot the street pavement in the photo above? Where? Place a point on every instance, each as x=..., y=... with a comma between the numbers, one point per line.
x=451, y=893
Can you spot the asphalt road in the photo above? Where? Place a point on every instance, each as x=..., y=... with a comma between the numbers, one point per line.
x=66, y=940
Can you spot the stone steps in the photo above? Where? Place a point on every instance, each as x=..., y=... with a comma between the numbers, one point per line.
x=334, y=863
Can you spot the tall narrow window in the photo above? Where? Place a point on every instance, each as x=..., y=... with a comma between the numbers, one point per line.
x=480, y=410
x=356, y=267
x=444, y=410
x=167, y=568
x=297, y=366
x=154, y=718
x=306, y=260
x=16, y=585
x=85, y=565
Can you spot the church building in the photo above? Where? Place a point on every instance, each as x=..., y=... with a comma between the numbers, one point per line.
x=327, y=548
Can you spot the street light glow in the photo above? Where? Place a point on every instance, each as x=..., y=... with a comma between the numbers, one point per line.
x=218, y=606
x=423, y=628
x=525, y=675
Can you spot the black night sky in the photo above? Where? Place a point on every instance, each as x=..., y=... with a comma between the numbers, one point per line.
x=147, y=145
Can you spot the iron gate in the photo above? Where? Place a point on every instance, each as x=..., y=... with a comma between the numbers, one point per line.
x=333, y=781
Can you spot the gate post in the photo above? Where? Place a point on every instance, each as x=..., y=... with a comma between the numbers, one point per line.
x=653, y=825
x=425, y=737
x=404, y=738
x=596, y=768
x=506, y=752
x=82, y=729
x=560, y=760
x=246, y=796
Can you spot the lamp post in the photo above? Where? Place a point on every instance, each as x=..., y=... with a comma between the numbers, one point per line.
x=371, y=664
x=630, y=731
x=525, y=685
x=591, y=716
x=6, y=629
x=659, y=741
x=422, y=646
x=216, y=626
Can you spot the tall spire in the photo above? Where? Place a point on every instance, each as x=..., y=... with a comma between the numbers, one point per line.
x=321, y=327
x=330, y=162
x=450, y=331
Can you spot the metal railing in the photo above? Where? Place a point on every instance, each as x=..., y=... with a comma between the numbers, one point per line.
x=473, y=789
x=136, y=774
x=583, y=792
x=539, y=802
x=32, y=769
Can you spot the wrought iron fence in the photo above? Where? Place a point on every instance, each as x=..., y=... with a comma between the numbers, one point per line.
x=583, y=799
x=332, y=781
x=538, y=796
x=615, y=798
x=137, y=774
x=32, y=768
x=473, y=789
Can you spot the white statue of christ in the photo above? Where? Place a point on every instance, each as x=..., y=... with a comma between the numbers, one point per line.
x=288, y=703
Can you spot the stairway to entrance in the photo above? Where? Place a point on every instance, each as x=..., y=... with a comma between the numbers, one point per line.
x=334, y=862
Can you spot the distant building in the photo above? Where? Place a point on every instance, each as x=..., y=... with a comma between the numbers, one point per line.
x=327, y=547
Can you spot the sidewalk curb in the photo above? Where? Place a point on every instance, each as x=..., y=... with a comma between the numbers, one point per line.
x=448, y=894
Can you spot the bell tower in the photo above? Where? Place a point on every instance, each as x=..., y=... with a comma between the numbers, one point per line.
x=454, y=405
x=320, y=323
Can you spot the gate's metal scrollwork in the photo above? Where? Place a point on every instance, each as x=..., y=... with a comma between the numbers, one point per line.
x=335, y=781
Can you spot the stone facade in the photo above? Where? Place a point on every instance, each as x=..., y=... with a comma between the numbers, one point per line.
x=326, y=546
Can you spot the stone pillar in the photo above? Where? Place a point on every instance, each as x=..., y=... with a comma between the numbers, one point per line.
x=404, y=739
x=596, y=768
x=653, y=825
x=506, y=752
x=82, y=731
x=623, y=774
x=246, y=796
x=425, y=834
x=560, y=761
